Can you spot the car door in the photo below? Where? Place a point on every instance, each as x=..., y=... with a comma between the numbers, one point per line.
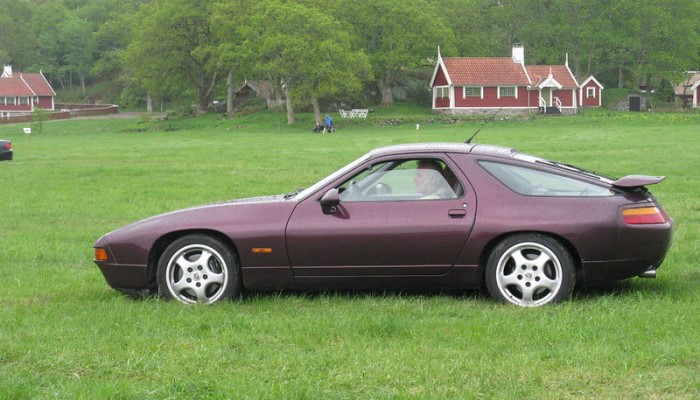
x=382, y=226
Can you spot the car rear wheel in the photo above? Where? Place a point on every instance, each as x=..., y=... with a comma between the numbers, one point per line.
x=530, y=270
x=198, y=269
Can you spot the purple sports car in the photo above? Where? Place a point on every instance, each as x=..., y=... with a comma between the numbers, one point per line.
x=408, y=217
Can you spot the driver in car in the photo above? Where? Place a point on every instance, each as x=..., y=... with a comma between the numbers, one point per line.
x=430, y=182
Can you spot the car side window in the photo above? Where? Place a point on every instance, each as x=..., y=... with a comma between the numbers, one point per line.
x=534, y=182
x=403, y=180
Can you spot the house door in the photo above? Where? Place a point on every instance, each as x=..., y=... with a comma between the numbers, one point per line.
x=546, y=94
x=635, y=103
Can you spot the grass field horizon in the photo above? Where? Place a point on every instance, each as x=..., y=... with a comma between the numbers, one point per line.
x=66, y=334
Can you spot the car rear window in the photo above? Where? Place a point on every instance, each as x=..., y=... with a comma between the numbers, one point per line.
x=534, y=182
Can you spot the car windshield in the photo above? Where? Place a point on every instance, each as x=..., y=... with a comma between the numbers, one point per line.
x=298, y=195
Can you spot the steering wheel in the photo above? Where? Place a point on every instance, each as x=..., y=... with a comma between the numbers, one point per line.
x=379, y=188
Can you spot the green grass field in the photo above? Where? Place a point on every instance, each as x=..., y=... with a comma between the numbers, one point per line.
x=65, y=334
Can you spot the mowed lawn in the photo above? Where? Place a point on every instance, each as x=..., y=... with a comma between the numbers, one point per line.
x=64, y=334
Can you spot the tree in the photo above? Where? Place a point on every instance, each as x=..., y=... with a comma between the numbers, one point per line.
x=78, y=45
x=109, y=19
x=397, y=36
x=46, y=18
x=39, y=116
x=307, y=50
x=17, y=39
x=231, y=25
x=173, y=50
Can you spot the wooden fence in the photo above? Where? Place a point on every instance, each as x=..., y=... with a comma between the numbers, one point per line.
x=66, y=111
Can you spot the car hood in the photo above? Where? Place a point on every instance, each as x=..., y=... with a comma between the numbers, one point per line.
x=220, y=215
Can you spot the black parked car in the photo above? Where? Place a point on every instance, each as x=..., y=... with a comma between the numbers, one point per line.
x=5, y=150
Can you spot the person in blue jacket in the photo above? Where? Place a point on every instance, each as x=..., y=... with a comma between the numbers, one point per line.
x=329, y=123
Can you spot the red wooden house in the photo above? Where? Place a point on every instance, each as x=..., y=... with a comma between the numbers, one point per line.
x=22, y=93
x=474, y=85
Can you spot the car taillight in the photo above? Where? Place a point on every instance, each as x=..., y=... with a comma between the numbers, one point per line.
x=644, y=215
x=8, y=145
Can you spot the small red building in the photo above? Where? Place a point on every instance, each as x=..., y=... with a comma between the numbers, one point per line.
x=22, y=93
x=475, y=85
x=590, y=92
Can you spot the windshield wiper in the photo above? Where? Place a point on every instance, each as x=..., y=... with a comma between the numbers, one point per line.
x=293, y=193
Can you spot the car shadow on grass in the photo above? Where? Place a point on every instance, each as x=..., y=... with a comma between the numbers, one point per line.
x=618, y=289
x=622, y=289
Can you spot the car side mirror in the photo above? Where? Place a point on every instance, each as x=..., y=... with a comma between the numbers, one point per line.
x=330, y=201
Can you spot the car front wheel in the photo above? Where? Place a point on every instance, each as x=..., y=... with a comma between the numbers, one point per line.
x=530, y=270
x=198, y=269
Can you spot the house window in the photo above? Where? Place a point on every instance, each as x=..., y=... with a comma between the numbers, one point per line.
x=507, y=91
x=23, y=101
x=442, y=92
x=473, y=91
x=590, y=93
x=9, y=101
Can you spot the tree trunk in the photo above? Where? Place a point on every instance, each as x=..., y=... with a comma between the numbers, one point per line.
x=149, y=103
x=385, y=88
x=620, y=77
x=202, y=105
x=317, y=109
x=288, y=102
x=82, y=83
x=278, y=99
x=229, y=93
x=204, y=93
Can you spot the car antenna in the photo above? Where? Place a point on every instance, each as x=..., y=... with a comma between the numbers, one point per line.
x=484, y=124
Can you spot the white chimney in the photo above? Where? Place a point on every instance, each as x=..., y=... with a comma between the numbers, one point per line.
x=519, y=53
x=7, y=71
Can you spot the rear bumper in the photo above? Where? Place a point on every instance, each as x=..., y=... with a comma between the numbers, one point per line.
x=641, y=249
x=600, y=272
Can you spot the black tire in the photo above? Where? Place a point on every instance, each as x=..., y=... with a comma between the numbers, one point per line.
x=530, y=270
x=198, y=269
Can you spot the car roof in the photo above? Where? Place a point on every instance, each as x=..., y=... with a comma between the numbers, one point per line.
x=445, y=147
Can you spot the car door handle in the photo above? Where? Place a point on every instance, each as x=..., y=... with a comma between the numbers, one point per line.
x=457, y=213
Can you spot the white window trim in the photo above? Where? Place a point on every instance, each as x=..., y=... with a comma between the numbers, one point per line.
x=481, y=91
x=514, y=87
x=590, y=93
x=438, y=91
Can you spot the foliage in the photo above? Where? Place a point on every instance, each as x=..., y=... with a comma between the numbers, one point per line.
x=339, y=50
x=397, y=36
x=39, y=117
x=65, y=334
x=172, y=49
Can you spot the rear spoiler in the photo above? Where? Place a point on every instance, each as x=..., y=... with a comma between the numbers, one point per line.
x=631, y=181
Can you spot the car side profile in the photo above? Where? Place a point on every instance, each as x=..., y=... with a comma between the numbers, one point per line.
x=408, y=217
